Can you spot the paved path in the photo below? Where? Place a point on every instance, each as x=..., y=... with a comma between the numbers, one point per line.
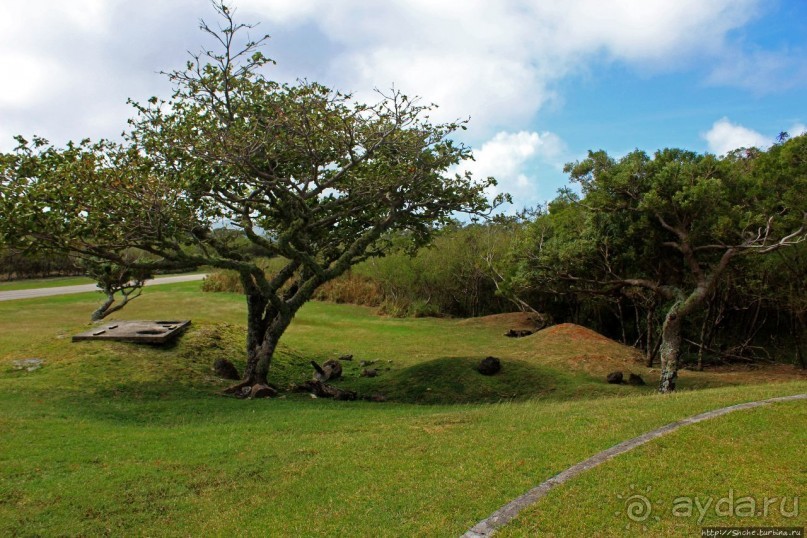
x=84, y=288
x=506, y=513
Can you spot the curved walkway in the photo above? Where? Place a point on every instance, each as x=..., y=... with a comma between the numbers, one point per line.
x=84, y=288
x=506, y=513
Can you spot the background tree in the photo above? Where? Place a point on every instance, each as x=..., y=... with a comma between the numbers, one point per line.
x=303, y=173
x=670, y=224
x=120, y=283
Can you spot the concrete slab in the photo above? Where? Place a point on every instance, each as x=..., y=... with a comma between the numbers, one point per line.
x=145, y=332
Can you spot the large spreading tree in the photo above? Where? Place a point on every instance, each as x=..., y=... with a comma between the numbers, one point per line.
x=305, y=174
x=668, y=225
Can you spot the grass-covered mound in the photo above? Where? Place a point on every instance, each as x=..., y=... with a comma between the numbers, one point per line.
x=451, y=380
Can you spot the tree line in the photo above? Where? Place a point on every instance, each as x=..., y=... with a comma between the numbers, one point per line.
x=692, y=258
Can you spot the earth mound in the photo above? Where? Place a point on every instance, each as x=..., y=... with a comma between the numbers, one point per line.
x=531, y=321
x=577, y=333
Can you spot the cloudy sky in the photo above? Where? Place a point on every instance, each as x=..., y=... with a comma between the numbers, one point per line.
x=543, y=81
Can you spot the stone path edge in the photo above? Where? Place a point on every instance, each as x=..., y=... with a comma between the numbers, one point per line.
x=509, y=511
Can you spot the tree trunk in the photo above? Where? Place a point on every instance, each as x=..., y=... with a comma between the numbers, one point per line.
x=702, y=344
x=798, y=328
x=264, y=330
x=101, y=312
x=651, y=351
x=670, y=349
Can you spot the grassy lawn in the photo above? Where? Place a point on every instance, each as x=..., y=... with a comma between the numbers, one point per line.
x=751, y=459
x=53, y=282
x=111, y=438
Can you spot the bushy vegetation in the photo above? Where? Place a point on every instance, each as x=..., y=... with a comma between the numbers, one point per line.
x=17, y=264
x=569, y=262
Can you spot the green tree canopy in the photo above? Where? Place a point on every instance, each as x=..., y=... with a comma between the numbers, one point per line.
x=669, y=224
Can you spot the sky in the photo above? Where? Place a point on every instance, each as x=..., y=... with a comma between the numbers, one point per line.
x=542, y=81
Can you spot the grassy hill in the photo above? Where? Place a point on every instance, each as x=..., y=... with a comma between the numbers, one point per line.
x=111, y=438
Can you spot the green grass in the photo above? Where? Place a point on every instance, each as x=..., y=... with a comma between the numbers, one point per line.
x=52, y=282
x=111, y=438
x=749, y=456
x=55, y=282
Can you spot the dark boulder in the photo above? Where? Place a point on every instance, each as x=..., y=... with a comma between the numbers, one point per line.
x=636, y=380
x=336, y=368
x=615, y=378
x=518, y=333
x=225, y=369
x=262, y=391
x=489, y=366
x=369, y=372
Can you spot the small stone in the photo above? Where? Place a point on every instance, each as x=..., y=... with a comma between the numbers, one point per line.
x=364, y=364
x=636, y=380
x=489, y=366
x=378, y=398
x=226, y=369
x=367, y=372
x=346, y=358
x=615, y=378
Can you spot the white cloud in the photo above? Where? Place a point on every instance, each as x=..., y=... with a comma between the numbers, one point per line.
x=69, y=66
x=498, y=61
x=515, y=159
x=797, y=129
x=725, y=136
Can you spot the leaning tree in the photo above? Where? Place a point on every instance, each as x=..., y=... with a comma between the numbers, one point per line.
x=668, y=224
x=306, y=174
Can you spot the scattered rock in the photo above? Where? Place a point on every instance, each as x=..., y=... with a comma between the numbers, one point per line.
x=489, y=366
x=615, y=378
x=378, y=398
x=318, y=389
x=336, y=368
x=518, y=333
x=331, y=369
x=262, y=391
x=226, y=369
x=28, y=364
x=346, y=358
x=364, y=364
x=636, y=380
x=369, y=372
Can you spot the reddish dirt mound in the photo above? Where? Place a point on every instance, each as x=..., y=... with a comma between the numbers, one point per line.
x=577, y=332
x=512, y=320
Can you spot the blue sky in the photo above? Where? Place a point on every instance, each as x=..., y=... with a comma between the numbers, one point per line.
x=542, y=81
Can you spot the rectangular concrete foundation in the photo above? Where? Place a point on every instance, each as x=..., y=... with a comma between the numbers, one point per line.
x=144, y=332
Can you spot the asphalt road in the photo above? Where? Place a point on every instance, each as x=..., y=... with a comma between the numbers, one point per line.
x=84, y=288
